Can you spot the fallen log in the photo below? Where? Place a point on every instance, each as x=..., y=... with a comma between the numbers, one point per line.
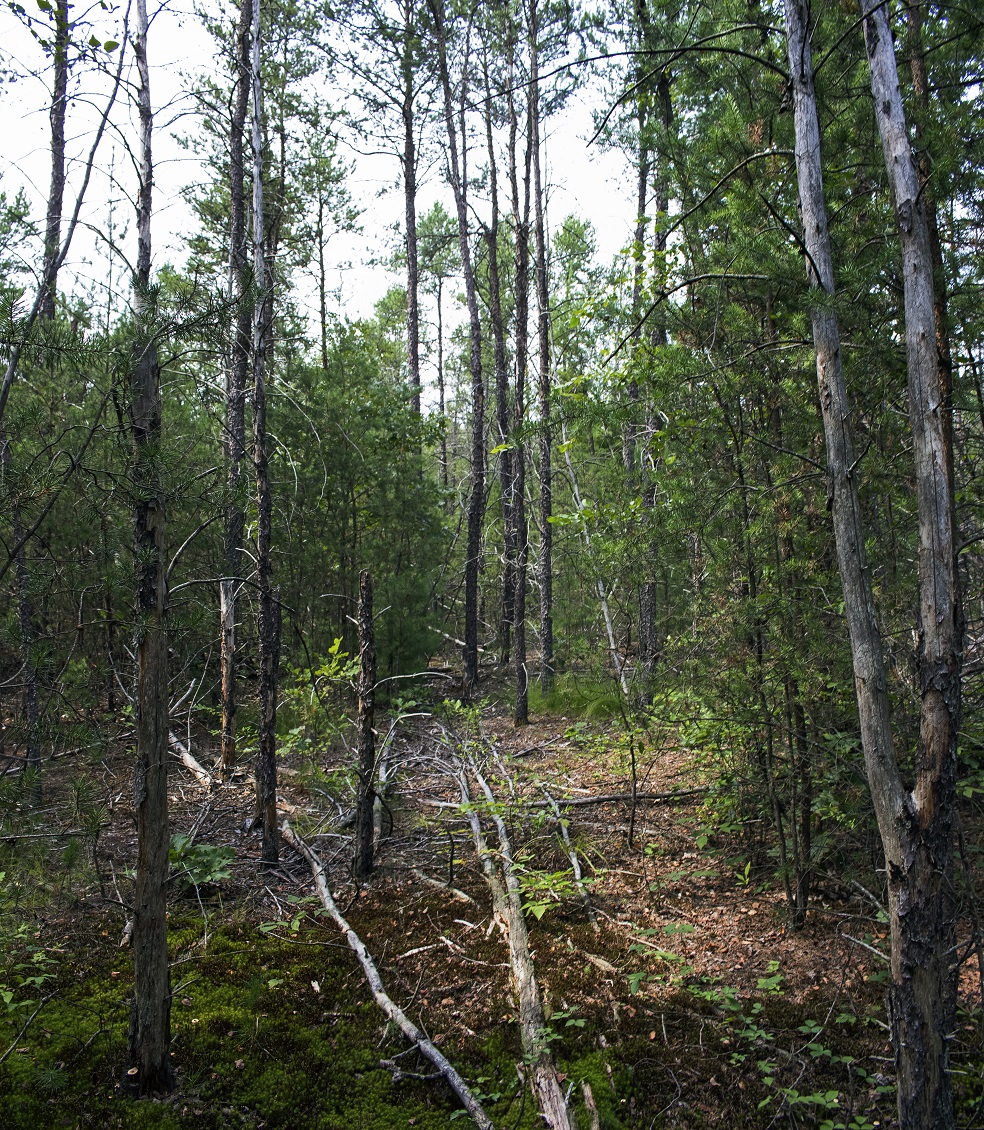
x=390, y=1008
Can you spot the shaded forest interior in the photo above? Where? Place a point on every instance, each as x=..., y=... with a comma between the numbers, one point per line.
x=553, y=699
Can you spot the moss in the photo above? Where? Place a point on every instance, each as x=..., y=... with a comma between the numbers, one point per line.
x=253, y=1042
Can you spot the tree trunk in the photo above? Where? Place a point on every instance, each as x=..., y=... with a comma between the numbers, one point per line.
x=506, y=480
x=922, y=906
x=56, y=191
x=269, y=606
x=545, y=569
x=521, y=259
x=410, y=205
x=366, y=734
x=237, y=367
x=476, y=504
x=150, y=1018
x=915, y=828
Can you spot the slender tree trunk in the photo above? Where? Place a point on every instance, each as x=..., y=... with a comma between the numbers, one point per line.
x=920, y=87
x=545, y=569
x=237, y=368
x=410, y=204
x=650, y=639
x=28, y=634
x=476, y=505
x=521, y=267
x=922, y=905
x=366, y=734
x=150, y=1018
x=440, y=383
x=269, y=606
x=56, y=191
x=506, y=481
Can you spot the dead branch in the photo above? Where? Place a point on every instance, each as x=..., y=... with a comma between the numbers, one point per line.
x=508, y=902
x=390, y=1008
x=582, y=890
x=621, y=798
x=188, y=760
x=425, y=878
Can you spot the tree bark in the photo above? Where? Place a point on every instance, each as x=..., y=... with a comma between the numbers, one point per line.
x=410, y=204
x=915, y=827
x=237, y=368
x=269, y=606
x=922, y=906
x=506, y=479
x=56, y=191
x=366, y=734
x=150, y=1018
x=476, y=505
x=545, y=563
x=521, y=266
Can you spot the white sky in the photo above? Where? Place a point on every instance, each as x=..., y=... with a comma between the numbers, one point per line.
x=589, y=183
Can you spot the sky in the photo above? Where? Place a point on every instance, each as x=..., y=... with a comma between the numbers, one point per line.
x=582, y=180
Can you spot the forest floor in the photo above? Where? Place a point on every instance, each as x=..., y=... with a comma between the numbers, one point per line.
x=682, y=998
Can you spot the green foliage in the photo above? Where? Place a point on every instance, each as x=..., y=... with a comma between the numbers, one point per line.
x=198, y=865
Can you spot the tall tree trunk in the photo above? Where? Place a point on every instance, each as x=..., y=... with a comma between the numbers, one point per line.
x=545, y=570
x=269, y=605
x=366, y=735
x=922, y=905
x=915, y=827
x=150, y=1019
x=506, y=483
x=521, y=268
x=410, y=204
x=476, y=504
x=237, y=368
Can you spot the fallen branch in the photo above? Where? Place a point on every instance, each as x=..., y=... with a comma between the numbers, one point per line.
x=392, y=1010
x=425, y=878
x=188, y=760
x=619, y=798
x=582, y=890
x=507, y=901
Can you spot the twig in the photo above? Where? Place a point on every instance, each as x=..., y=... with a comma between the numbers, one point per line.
x=27, y=1024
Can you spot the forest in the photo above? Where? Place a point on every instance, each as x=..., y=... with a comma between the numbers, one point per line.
x=550, y=695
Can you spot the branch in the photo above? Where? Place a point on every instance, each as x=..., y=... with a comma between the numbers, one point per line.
x=393, y=1011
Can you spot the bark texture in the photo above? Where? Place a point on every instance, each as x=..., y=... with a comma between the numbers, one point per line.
x=545, y=563
x=916, y=827
x=922, y=905
x=269, y=605
x=150, y=1018
x=237, y=370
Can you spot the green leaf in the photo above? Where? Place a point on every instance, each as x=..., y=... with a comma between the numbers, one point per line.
x=110, y=45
